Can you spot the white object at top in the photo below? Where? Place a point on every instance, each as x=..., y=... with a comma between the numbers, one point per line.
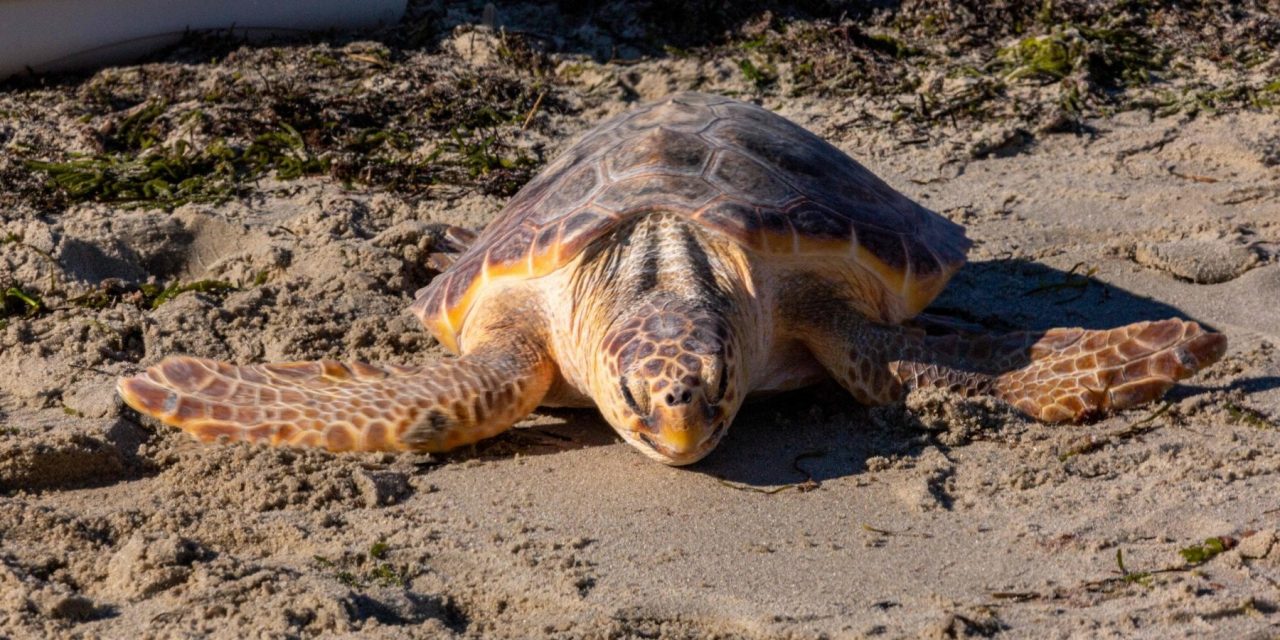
x=57, y=35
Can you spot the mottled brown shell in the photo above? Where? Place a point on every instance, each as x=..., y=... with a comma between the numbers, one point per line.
x=734, y=167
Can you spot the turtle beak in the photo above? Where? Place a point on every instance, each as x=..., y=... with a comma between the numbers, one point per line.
x=680, y=441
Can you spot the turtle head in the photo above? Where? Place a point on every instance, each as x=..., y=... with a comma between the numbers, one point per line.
x=671, y=389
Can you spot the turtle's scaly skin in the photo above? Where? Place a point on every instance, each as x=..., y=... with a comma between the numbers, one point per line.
x=674, y=260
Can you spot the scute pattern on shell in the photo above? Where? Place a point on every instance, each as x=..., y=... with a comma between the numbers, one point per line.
x=736, y=168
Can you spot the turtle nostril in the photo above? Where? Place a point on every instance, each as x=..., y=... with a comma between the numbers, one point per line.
x=678, y=397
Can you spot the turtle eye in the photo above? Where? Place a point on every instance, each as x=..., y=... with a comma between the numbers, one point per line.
x=724, y=382
x=631, y=400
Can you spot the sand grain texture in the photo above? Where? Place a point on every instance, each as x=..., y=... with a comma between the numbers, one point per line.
x=815, y=518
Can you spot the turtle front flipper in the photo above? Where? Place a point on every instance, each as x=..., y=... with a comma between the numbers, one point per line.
x=1060, y=375
x=346, y=406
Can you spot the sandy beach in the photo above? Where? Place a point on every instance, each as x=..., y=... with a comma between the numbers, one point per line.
x=283, y=201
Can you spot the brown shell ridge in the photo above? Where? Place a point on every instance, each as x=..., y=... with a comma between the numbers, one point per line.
x=737, y=169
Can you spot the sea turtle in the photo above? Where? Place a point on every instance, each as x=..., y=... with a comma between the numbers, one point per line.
x=673, y=261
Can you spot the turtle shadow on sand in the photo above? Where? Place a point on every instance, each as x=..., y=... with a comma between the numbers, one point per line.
x=1019, y=294
x=572, y=429
x=821, y=433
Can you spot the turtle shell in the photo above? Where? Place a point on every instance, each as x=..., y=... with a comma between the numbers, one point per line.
x=737, y=169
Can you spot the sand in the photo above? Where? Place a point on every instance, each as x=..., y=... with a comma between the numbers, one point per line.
x=815, y=518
